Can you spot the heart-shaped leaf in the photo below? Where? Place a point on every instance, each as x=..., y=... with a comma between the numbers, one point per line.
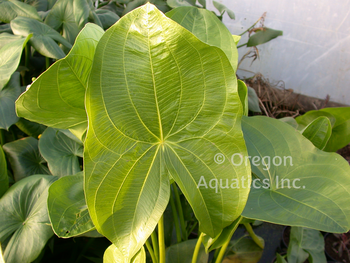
x=68, y=211
x=296, y=184
x=4, y=180
x=60, y=152
x=25, y=158
x=263, y=36
x=208, y=28
x=304, y=242
x=10, y=56
x=43, y=39
x=173, y=120
x=24, y=222
x=8, y=96
x=113, y=255
x=56, y=98
x=318, y=132
x=10, y=9
x=183, y=252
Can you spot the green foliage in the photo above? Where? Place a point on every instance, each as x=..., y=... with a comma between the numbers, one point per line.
x=243, y=250
x=10, y=9
x=182, y=252
x=262, y=36
x=318, y=132
x=4, y=180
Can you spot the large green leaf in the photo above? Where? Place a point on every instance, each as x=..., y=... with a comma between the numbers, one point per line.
x=318, y=132
x=25, y=158
x=8, y=96
x=4, y=180
x=6, y=38
x=319, y=182
x=183, y=111
x=208, y=28
x=68, y=212
x=60, y=152
x=304, y=243
x=43, y=39
x=10, y=56
x=56, y=98
x=113, y=255
x=340, y=119
x=24, y=222
x=183, y=253
x=263, y=36
x=10, y=9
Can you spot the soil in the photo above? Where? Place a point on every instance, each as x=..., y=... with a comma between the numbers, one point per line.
x=331, y=247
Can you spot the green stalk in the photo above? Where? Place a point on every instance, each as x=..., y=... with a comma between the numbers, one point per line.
x=242, y=45
x=150, y=250
x=155, y=245
x=176, y=220
x=2, y=137
x=196, y=249
x=227, y=242
x=255, y=238
x=47, y=62
x=251, y=27
x=181, y=214
x=192, y=228
x=27, y=55
x=161, y=240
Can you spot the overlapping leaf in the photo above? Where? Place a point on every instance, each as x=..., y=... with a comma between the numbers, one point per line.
x=208, y=28
x=60, y=152
x=10, y=9
x=263, y=36
x=56, y=98
x=25, y=158
x=174, y=119
x=8, y=96
x=113, y=255
x=298, y=185
x=4, y=180
x=68, y=212
x=43, y=39
x=24, y=222
x=10, y=56
x=183, y=252
x=318, y=132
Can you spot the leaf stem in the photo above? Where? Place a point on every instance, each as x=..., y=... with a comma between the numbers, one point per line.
x=251, y=26
x=255, y=238
x=2, y=137
x=27, y=55
x=150, y=250
x=161, y=240
x=242, y=45
x=155, y=245
x=47, y=62
x=227, y=242
x=181, y=214
x=196, y=249
x=176, y=219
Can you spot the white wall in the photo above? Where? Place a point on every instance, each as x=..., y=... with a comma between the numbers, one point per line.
x=313, y=55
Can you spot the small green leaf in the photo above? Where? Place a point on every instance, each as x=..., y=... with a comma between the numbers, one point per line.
x=8, y=96
x=318, y=132
x=243, y=250
x=10, y=9
x=305, y=242
x=183, y=252
x=296, y=184
x=24, y=222
x=43, y=39
x=253, y=100
x=178, y=3
x=222, y=9
x=60, y=152
x=68, y=211
x=263, y=36
x=113, y=255
x=203, y=3
x=25, y=158
x=280, y=259
x=56, y=97
x=208, y=28
x=236, y=39
x=10, y=56
x=4, y=179
x=243, y=95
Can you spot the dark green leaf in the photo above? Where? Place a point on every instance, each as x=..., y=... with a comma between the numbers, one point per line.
x=60, y=152
x=24, y=222
x=10, y=56
x=183, y=252
x=107, y=18
x=318, y=132
x=263, y=36
x=222, y=9
x=243, y=250
x=10, y=9
x=178, y=3
x=253, y=100
x=280, y=259
x=302, y=184
x=43, y=39
x=4, y=179
x=25, y=158
x=67, y=207
x=30, y=128
x=8, y=96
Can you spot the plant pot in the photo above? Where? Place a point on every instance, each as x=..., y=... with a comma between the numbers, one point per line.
x=332, y=247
